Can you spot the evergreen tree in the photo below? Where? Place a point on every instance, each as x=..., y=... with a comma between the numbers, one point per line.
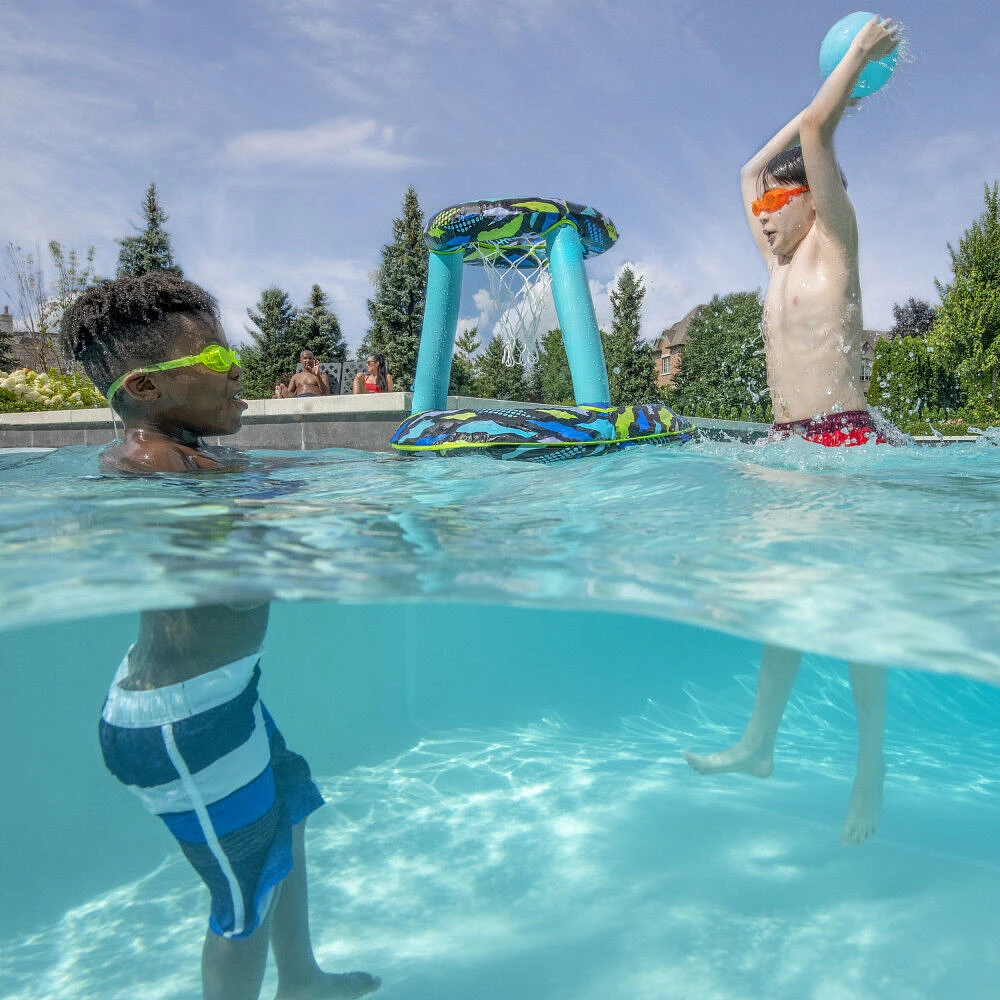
x=967, y=323
x=151, y=249
x=468, y=342
x=463, y=372
x=551, y=381
x=271, y=353
x=724, y=373
x=317, y=329
x=915, y=318
x=397, y=310
x=463, y=377
x=494, y=379
x=631, y=368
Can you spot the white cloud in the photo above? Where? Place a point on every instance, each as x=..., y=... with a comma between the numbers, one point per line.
x=342, y=142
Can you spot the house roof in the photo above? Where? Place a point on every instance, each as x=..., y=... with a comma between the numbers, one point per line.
x=676, y=335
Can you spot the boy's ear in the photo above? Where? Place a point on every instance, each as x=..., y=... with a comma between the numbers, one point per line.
x=140, y=386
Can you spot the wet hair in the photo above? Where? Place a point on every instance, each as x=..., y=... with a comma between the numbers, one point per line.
x=126, y=323
x=788, y=169
x=381, y=372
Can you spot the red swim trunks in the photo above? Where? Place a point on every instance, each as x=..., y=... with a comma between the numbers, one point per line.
x=833, y=430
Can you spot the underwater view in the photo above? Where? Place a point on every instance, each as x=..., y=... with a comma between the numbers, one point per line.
x=505, y=679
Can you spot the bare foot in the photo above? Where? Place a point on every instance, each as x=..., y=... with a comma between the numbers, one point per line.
x=739, y=758
x=329, y=986
x=865, y=809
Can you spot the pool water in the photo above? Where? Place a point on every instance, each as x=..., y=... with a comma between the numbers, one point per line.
x=494, y=671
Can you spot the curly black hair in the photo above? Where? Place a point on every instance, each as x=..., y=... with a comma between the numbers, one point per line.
x=126, y=323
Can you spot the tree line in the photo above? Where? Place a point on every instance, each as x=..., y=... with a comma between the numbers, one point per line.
x=939, y=367
x=396, y=312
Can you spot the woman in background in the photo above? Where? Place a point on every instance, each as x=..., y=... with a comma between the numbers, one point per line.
x=375, y=378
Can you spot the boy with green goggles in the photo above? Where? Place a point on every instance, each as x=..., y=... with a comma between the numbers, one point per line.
x=183, y=725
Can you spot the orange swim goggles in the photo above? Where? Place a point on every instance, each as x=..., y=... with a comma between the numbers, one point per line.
x=775, y=198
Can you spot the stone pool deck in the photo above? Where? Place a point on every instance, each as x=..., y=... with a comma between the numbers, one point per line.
x=362, y=422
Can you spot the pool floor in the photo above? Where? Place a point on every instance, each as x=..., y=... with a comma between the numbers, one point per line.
x=536, y=833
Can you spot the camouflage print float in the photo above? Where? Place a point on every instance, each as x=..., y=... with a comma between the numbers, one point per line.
x=515, y=228
x=539, y=434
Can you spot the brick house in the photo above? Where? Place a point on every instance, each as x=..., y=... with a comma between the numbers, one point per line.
x=668, y=348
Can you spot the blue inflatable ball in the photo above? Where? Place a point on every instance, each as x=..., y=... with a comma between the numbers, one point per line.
x=838, y=40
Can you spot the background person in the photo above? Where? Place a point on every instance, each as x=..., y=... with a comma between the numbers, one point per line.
x=375, y=378
x=311, y=381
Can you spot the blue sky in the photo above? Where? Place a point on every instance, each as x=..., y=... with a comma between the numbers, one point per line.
x=282, y=133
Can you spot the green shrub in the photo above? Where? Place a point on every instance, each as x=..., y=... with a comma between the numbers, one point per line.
x=9, y=403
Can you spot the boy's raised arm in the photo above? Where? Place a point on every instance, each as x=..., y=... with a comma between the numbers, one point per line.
x=820, y=119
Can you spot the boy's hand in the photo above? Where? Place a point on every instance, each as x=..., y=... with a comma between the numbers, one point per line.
x=877, y=38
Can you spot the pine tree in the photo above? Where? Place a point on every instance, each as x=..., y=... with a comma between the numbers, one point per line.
x=271, y=354
x=317, y=329
x=551, y=380
x=468, y=342
x=463, y=372
x=967, y=323
x=397, y=310
x=631, y=368
x=494, y=379
x=724, y=373
x=463, y=377
x=151, y=249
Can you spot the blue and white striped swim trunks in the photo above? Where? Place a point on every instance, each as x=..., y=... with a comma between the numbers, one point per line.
x=206, y=757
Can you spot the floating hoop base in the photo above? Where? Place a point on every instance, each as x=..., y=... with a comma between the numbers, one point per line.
x=539, y=434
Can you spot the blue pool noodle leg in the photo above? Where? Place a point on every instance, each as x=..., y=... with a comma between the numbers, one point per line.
x=575, y=310
x=437, y=337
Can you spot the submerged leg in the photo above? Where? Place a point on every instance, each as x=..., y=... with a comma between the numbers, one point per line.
x=299, y=974
x=868, y=684
x=233, y=968
x=754, y=752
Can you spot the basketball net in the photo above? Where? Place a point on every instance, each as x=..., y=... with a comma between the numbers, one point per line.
x=519, y=280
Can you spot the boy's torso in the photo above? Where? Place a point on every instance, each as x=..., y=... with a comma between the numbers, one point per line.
x=180, y=644
x=812, y=328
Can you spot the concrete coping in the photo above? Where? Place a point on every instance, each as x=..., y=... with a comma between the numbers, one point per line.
x=380, y=406
x=258, y=410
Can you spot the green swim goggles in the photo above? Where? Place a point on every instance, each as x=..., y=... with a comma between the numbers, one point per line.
x=214, y=357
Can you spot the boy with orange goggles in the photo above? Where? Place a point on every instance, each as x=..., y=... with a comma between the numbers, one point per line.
x=804, y=226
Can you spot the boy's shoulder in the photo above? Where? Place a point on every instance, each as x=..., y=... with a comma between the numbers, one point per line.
x=152, y=453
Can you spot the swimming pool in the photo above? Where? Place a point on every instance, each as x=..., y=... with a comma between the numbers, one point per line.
x=494, y=670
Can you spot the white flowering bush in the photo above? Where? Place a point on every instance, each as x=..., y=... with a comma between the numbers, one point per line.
x=23, y=390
